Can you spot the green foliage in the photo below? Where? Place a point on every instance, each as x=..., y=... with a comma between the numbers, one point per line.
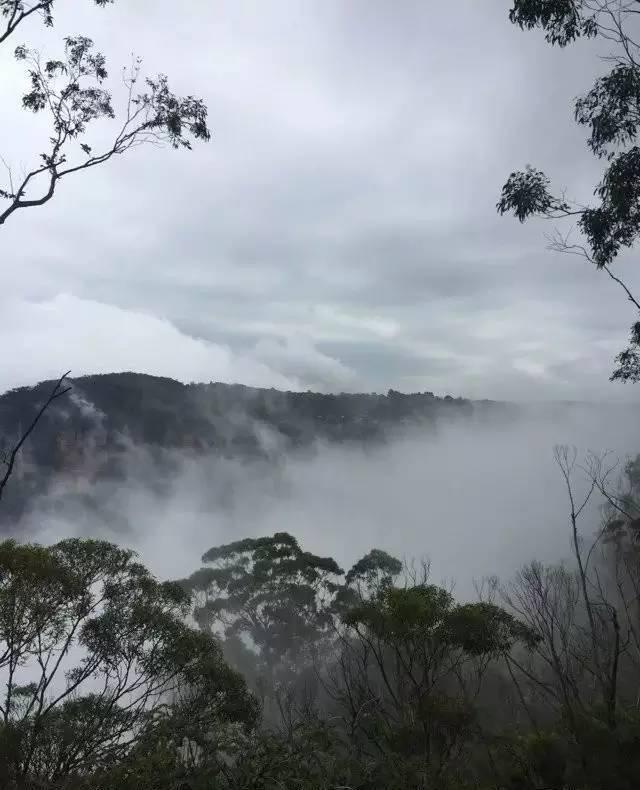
x=428, y=612
x=268, y=590
x=593, y=757
x=527, y=193
x=395, y=664
x=376, y=569
x=484, y=628
x=406, y=676
x=413, y=613
x=629, y=360
x=14, y=12
x=609, y=111
x=562, y=20
x=70, y=90
x=97, y=658
x=271, y=604
x=314, y=757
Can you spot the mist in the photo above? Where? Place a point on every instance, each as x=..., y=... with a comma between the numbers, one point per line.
x=475, y=497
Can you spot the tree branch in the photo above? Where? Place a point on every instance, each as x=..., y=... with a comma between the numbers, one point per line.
x=18, y=15
x=58, y=391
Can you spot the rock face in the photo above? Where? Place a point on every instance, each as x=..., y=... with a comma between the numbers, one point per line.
x=88, y=437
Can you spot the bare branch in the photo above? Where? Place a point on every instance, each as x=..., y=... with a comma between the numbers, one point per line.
x=58, y=391
x=560, y=243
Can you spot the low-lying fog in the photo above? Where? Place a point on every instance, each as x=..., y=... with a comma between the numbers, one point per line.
x=475, y=499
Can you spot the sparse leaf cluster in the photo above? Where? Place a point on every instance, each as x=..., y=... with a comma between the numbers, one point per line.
x=610, y=111
x=14, y=12
x=72, y=92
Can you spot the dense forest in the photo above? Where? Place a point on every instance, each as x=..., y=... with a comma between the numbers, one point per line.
x=270, y=667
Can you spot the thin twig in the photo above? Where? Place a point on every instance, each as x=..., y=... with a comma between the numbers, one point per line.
x=56, y=392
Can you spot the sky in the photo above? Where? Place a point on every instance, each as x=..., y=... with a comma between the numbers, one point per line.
x=339, y=231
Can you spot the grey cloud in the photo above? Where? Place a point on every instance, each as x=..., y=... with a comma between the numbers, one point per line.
x=390, y=364
x=346, y=202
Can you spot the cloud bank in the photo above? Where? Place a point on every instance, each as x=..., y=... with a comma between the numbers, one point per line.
x=341, y=225
x=47, y=338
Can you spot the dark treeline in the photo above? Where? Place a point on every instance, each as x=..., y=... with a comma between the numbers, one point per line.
x=155, y=410
x=296, y=674
x=91, y=433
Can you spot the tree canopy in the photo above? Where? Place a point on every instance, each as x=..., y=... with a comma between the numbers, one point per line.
x=98, y=664
x=374, y=678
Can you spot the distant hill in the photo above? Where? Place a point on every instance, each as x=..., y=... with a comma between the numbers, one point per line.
x=89, y=433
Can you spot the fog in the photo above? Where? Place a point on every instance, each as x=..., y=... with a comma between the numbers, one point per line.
x=475, y=497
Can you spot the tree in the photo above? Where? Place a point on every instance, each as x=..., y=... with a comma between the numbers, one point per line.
x=610, y=111
x=579, y=685
x=398, y=663
x=101, y=671
x=71, y=90
x=409, y=672
x=271, y=602
x=418, y=690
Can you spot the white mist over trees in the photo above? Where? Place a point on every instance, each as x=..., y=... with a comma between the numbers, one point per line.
x=429, y=492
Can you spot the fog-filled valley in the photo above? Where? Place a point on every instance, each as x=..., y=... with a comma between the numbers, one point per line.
x=325, y=566
x=423, y=481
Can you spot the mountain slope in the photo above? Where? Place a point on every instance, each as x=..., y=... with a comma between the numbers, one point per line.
x=88, y=436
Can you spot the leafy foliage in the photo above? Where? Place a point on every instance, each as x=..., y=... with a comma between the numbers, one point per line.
x=71, y=90
x=271, y=603
x=629, y=360
x=376, y=569
x=14, y=12
x=610, y=111
x=527, y=193
x=96, y=660
x=107, y=686
x=396, y=663
x=562, y=20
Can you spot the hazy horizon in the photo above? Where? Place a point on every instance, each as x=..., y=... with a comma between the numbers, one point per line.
x=542, y=401
x=426, y=491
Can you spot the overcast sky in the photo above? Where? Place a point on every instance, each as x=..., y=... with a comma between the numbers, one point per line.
x=339, y=231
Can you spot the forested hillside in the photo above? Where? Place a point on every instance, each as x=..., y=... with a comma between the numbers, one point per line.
x=154, y=410
x=88, y=434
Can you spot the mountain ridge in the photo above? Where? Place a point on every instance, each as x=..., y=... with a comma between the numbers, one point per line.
x=116, y=432
x=87, y=437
